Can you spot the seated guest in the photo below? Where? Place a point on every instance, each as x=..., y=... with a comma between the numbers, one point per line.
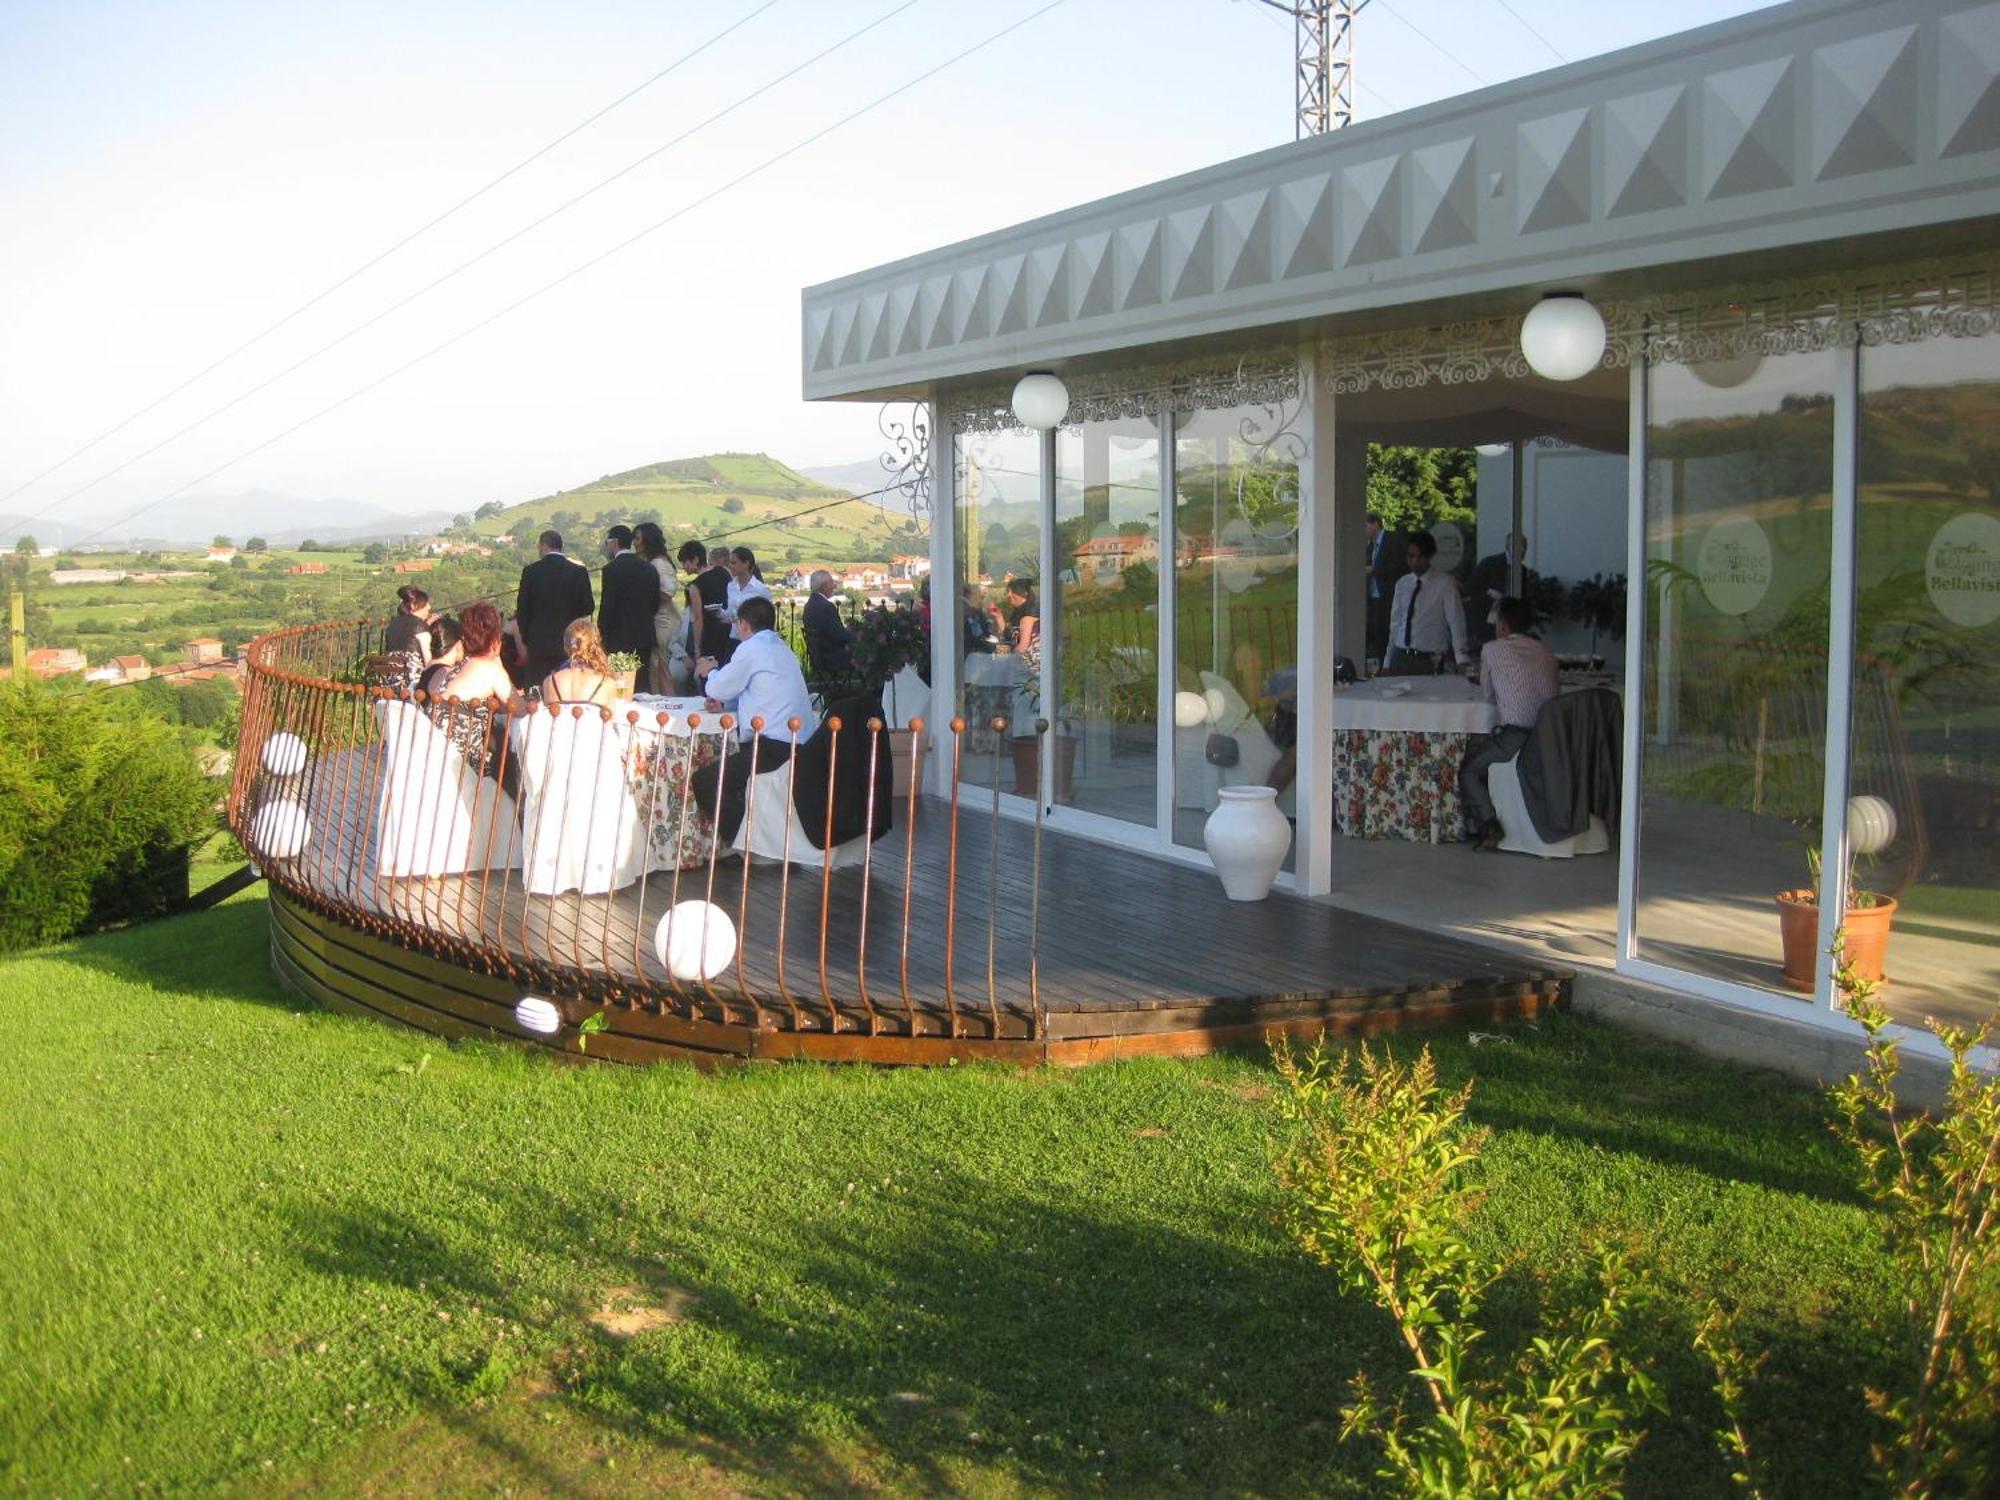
x=764, y=681
x=1426, y=615
x=463, y=704
x=829, y=643
x=585, y=675
x=975, y=624
x=447, y=651
x=1517, y=675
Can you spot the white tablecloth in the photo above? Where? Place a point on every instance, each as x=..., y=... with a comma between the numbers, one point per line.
x=1431, y=705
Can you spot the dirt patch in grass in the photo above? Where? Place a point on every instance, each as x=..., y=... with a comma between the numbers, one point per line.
x=628, y=1311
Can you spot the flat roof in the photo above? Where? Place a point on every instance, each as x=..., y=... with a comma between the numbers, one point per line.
x=1772, y=139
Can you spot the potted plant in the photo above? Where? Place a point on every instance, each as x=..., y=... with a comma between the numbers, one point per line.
x=1865, y=924
x=1598, y=604
x=886, y=641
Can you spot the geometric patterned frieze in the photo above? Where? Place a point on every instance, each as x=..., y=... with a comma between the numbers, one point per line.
x=1752, y=137
x=1646, y=152
x=1864, y=116
x=1371, y=212
x=1553, y=172
x=1747, y=129
x=1968, y=92
x=1444, y=196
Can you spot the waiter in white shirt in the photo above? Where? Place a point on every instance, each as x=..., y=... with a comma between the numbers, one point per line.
x=764, y=681
x=1426, y=615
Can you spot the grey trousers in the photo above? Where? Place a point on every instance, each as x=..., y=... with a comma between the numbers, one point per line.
x=1502, y=744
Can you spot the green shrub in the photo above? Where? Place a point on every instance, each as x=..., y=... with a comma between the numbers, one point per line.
x=92, y=804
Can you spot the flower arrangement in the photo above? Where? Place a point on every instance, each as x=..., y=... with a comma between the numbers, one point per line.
x=885, y=642
x=622, y=664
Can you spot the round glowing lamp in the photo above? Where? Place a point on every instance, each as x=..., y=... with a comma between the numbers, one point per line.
x=1041, y=401
x=280, y=830
x=696, y=940
x=1190, y=709
x=284, y=754
x=533, y=1013
x=1562, y=338
x=1871, y=824
x=1492, y=450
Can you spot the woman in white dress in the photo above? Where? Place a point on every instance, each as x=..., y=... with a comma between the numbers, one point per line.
x=671, y=674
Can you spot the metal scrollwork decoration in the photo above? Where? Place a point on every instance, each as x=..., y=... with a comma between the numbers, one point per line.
x=907, y=459
x=1278, y=449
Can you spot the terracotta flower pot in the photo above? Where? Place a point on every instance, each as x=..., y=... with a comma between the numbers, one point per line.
x=1027, y=765
x=1867, y=937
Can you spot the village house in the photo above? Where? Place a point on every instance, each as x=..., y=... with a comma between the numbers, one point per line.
x=220, y=555
x=302, y=568
x=1114, y=554
x=55, y=661
x=203, y=650
x=64, y=577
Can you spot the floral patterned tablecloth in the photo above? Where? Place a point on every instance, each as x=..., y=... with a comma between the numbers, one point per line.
x=1398, y=784
x=657, y=770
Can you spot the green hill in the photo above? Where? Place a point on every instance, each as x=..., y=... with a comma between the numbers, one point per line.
x=750, y=498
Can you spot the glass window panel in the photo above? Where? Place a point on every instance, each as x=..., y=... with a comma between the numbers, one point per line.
x=1236, y=529
x=1106, y=602
x=996, y=492
x=1738, y=560
x=1924, y=763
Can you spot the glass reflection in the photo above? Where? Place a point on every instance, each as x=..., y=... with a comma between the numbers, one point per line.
x=996, y=492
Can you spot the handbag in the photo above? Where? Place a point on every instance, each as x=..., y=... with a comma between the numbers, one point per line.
x=1222, y=751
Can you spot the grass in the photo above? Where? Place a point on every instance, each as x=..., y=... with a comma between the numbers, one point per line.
x=256, y=1248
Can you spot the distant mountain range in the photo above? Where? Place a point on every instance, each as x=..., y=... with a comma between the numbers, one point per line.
x=282, y=520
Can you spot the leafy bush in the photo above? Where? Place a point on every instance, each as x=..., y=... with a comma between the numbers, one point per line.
x=91, y=802
x=1382, y=1176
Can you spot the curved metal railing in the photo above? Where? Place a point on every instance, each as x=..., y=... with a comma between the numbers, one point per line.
x=561, y=849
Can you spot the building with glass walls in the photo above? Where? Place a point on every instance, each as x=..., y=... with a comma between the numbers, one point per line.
x=1766, y=516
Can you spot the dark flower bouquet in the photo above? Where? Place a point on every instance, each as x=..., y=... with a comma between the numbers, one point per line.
x=886, y=641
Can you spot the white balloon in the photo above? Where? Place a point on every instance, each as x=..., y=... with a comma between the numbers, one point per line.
x=1190, y=709
x=284, y=754
x=696, y=940
x=533, y=1013
x=1871, y=824
x=280, y=830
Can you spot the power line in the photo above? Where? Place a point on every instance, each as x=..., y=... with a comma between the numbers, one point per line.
x=1529, y=27
x=467, y=265
x=1451, y=56
x=413, y=235
x=577, y=270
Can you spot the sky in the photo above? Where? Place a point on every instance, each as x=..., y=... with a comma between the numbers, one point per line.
x=176, y=177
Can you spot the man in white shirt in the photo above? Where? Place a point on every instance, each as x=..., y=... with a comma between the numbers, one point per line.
x=1517, y=675
x=762, y=680
x=1426, y=615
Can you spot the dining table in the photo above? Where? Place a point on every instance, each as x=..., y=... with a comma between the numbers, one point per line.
x=667, y=747
x=1397, y=744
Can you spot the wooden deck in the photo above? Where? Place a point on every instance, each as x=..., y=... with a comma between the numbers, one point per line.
x=1124, y=955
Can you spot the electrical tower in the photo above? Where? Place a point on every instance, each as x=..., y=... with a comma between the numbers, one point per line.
x=1324, y=32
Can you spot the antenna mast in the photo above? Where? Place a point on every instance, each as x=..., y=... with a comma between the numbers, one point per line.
x=1324, y=32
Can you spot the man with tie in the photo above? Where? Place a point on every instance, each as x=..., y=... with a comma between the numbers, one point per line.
x=555, y=590
x=1385, y=566
x=1426, y=615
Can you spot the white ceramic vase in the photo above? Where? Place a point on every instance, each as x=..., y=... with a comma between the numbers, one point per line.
x=1246, y=838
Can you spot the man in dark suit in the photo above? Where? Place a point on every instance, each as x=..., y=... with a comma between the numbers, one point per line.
x=631, y=599
x=829, y=643
x=1385, y=566
x=554, y=591
x=1492, y=581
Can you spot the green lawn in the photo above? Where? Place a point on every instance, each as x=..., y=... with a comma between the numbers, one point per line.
x=253, y=1247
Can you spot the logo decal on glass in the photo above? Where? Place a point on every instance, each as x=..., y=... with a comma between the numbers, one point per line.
x=1734, y=566
x=1962, y=571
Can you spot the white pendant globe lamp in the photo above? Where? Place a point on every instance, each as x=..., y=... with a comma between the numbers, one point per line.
x=1041, y=401
x=1562, y=338
x=1493, y=450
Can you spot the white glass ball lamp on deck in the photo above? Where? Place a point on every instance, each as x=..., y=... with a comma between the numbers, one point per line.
x=1563, y=337
x=284, y=754
x=1041, y=401
x=533, y=1013
x=695, y=941
x=281, y=830
x=1871, y=825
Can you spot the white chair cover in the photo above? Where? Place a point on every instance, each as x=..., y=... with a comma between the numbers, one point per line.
x=581, y=830
x=436, y=815
x=1517, y=829
x=770, y=813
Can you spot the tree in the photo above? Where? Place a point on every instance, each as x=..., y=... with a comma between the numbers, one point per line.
x=309, y=545
x=1412, y=488
x=256, y=544
x=26, y=547
x=490, y=508
x=733, y=506
x=374, y=553
x=240, y=561
x=219, y=540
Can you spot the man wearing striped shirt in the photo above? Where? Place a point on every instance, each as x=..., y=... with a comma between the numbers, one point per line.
x=1517, y=675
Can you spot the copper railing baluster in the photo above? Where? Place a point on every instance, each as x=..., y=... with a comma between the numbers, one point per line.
x=832, y=729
